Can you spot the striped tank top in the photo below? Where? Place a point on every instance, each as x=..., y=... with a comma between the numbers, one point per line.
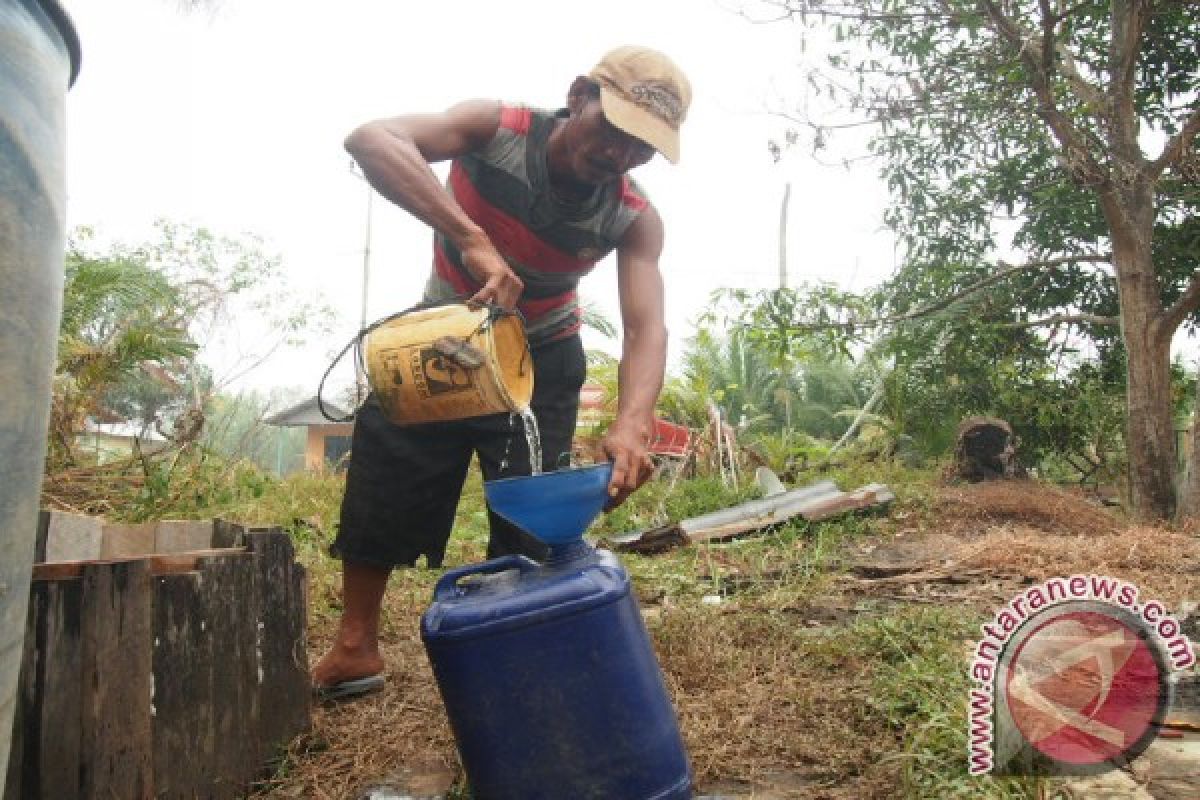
x=550, y=244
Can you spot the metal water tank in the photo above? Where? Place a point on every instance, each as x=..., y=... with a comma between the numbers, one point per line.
x=39, y=58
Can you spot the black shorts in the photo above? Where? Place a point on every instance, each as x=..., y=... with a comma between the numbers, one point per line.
x=403, y=482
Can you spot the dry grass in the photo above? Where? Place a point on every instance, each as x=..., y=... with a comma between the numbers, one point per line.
x=974, y=507
x=1042, y=531
x=754, y=695
x=758, y=694
x=355, y=744
x=1162, y=563
x=864, y=705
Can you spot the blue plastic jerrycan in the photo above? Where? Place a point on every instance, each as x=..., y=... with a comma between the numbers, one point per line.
x=550, y=682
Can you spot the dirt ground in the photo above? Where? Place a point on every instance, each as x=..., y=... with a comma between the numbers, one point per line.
x=728, y=663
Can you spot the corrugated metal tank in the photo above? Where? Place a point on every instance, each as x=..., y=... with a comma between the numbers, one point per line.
x=39, y=58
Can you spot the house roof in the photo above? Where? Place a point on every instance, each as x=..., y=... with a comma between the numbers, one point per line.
x=306, y=413
x=124, y=430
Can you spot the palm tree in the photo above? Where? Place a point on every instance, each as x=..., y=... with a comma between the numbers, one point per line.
x=121, y=320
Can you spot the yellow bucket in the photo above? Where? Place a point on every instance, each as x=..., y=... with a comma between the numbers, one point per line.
x=420, y=370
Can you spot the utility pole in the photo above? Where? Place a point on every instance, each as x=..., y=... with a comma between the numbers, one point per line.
x=783, y=216
x=366, y=271
x=359, y=388
x=783, y=220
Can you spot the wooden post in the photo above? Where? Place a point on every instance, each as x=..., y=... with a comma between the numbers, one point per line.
x=284, y=689
x=46, y=762
x=227, y=534
x=184, y=737
x=116, y=669
x=230, y=592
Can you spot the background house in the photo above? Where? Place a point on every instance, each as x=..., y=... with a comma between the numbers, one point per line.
x=327, y=442
x=110, y=441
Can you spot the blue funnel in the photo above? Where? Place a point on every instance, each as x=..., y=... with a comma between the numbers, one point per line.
x=555, y=507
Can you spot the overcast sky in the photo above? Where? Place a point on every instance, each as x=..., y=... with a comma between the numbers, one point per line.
x=234, y=119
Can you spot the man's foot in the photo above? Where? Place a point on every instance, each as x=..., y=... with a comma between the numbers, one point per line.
x=347, y=671
x=348, y=690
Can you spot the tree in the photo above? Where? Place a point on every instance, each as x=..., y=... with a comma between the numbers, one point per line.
x=236, y=429
x=240, y=306
x=122, y=322
x=143, y=326
x=1065, y=131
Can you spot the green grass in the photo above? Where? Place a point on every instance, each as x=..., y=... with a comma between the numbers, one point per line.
x=919, y=691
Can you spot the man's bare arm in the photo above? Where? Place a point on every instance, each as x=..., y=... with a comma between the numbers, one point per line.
x=643, y=357
x=395, y=155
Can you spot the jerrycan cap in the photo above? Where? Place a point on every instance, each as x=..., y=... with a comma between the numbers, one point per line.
x=553, y=507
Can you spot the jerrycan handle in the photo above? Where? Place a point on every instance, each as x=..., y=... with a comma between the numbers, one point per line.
x=447, y=585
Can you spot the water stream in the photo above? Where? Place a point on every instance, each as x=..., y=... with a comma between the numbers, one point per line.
x=533, y=438
x=512, y=421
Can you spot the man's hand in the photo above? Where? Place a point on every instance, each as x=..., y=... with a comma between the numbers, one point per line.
x=626, y=446
x=501, y=286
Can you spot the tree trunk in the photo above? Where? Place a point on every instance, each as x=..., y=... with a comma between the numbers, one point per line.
x=984, y=449
x=1189, y=498
x=1149, y=428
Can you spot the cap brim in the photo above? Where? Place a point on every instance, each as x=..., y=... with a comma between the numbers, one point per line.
x=637, y=121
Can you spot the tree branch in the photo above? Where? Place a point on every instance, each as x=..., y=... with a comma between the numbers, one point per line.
x=1049, y=23
x=1177, y=145
x=1055, y=319
x=1005, y=271
x=1128, y=21
x=1086, y=92
x=1068, y=12
x=852, y=11
x=1188, y=302
x=1069, y=137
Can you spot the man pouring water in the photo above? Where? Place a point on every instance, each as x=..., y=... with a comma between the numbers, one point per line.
x=534, y=200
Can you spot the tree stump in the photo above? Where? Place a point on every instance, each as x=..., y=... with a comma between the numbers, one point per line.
x=985, y=449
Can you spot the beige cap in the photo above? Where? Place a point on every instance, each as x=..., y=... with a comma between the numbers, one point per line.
x=644, y=94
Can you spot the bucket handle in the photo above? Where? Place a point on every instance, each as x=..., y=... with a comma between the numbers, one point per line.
x=447, y=585
x=494, y=313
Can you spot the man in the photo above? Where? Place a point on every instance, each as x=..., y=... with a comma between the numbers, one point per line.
x=534, y=200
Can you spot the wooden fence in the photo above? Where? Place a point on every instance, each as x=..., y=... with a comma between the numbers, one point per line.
x=175, y=672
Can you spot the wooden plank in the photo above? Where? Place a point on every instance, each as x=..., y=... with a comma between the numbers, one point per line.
x=49, y=703
x=184, y=743
x=59, y=571
x=228, y=534
x=230, y=589
x=173, y=563
x=284, y=688
x=166, y=564
x=116, y=667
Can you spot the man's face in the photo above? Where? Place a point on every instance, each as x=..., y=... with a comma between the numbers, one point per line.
x=600, y=152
